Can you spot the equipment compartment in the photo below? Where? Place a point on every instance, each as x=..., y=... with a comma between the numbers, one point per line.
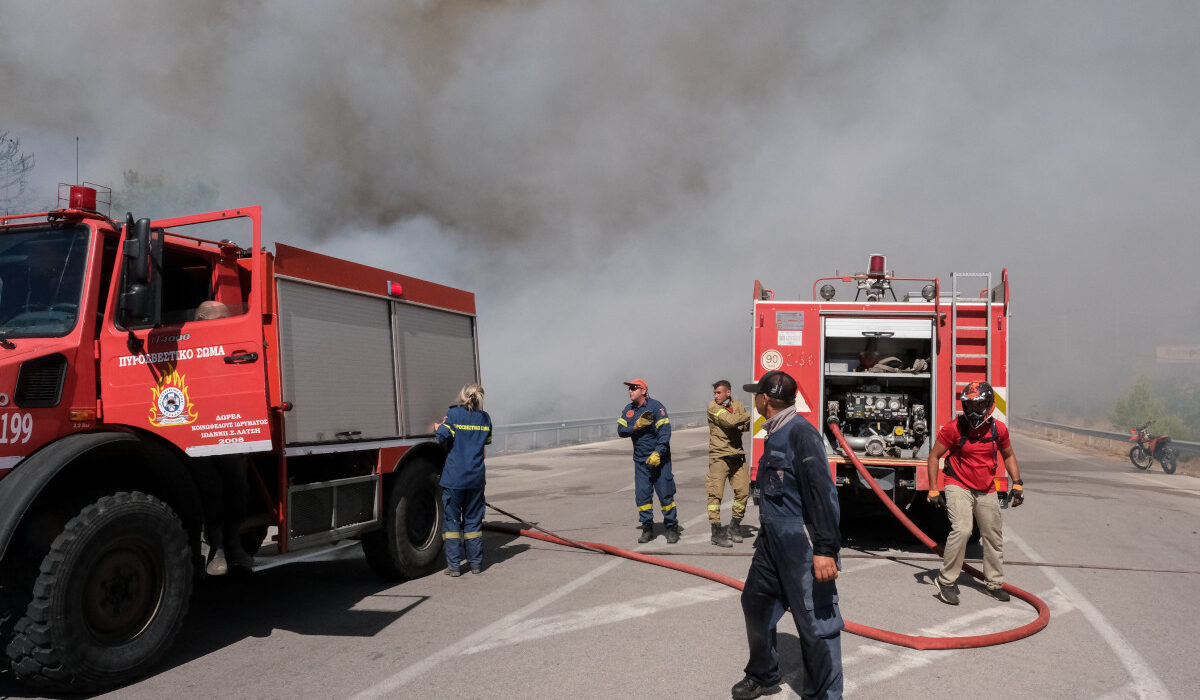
x=878, y=384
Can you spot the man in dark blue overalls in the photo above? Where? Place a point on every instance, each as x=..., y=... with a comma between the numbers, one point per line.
x=793, y=567
x=645, y=421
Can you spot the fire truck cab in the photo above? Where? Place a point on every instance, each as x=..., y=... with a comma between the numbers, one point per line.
x=884, y=358
x=139, y=360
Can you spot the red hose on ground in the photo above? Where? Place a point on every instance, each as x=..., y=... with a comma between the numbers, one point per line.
x=915, y=642
x=897, y=638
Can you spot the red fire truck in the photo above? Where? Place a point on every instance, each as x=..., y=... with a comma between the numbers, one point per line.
x=886, y=367
x=323, y=378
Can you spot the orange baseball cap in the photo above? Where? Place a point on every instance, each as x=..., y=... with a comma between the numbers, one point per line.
x=637, y=381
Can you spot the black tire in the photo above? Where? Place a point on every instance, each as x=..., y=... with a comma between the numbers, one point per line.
x=1141, y=457
x=1170, y=460
x=109, y=599
x=410, y=543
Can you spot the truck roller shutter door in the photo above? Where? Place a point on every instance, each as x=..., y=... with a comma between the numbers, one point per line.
x=338, y=371
x=892, y=327
x=435, y=353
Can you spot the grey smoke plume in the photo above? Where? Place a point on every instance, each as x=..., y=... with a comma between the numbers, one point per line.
x=611, y=178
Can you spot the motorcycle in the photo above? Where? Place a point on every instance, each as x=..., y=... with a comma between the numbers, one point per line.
x=1152, y=447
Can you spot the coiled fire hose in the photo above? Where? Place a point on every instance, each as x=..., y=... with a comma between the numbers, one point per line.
x=897, y=638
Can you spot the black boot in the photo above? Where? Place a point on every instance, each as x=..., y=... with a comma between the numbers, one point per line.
x=718, y=536
x=735, y=530
x=746, y=689
x=647, y=533
x=672, y=534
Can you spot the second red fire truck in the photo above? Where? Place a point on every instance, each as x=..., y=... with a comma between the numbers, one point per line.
x=884, y=357
x=136, y=359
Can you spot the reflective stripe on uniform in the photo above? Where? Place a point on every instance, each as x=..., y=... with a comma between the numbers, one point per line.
x=715, y=506
x=450, y=428
x=648, y=506
x=473, y=535
x=450, y=535
x=621, y=422
x=472, y=427
x=669, y=506
x=661, y=422
x=719, y=412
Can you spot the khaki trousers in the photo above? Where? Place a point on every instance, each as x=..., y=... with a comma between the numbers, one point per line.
x=964, y=507
x=733, y=469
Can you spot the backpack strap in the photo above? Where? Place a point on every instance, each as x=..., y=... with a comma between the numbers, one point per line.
x=963, y=440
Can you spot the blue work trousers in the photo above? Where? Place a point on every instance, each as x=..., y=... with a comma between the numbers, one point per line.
x=781, y=577
x=464, y=521
x=649, y=480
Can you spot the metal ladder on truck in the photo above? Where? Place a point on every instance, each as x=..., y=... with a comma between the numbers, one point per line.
x=968, y=334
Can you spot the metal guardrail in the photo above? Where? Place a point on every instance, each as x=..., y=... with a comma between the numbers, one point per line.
x=1186, y=449
x=527, y=437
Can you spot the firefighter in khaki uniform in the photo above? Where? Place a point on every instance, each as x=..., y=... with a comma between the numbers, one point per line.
x=727, y=420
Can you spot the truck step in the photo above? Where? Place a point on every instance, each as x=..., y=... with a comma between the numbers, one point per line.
x=264, y=561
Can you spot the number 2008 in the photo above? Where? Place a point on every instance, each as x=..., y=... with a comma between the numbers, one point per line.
x=15, y=427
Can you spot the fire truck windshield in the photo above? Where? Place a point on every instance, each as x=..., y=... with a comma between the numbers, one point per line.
x=41, y=280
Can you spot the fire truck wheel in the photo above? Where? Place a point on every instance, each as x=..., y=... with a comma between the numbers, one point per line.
x=110, y=597
x=410, y=543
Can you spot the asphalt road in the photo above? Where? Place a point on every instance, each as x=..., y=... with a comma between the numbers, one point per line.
x=544, y=621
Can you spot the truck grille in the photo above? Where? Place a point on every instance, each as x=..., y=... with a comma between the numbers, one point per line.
x=40, y=382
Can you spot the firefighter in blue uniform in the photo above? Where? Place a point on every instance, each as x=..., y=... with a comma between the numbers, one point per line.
x=464, y=431
x=645, y=421
x=794, y=566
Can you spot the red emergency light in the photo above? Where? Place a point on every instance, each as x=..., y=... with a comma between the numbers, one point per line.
x=82, y=198
x=877, y=267
x=395, y=289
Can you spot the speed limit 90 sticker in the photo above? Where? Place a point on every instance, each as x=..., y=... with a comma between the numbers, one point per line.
x=771, y=360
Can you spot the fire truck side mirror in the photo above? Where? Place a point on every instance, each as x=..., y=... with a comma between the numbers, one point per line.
x=137, y=250
x=142, y=262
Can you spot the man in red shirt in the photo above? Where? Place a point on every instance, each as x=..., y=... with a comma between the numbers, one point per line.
x=973, y=444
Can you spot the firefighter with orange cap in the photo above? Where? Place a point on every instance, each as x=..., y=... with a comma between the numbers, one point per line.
x=644, y=420
x=973, y=444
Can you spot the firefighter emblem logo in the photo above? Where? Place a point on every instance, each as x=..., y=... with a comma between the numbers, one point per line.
x=171, y=403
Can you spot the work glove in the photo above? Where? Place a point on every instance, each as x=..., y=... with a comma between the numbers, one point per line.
x=643, y=420
x=1016, y=495
x=654, y=460
x=935, y=499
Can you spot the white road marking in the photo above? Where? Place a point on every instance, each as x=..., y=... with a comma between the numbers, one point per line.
x=543, y=627
x=1127, y=692
x=388, y=686
x=907, y=660
x=1146, y=683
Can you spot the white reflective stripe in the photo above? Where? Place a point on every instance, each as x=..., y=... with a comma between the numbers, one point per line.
x=231, y=448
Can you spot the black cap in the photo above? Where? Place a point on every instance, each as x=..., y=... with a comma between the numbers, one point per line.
x=775, y=385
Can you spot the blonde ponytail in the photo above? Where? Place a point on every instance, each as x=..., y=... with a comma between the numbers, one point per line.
x=470, y=397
